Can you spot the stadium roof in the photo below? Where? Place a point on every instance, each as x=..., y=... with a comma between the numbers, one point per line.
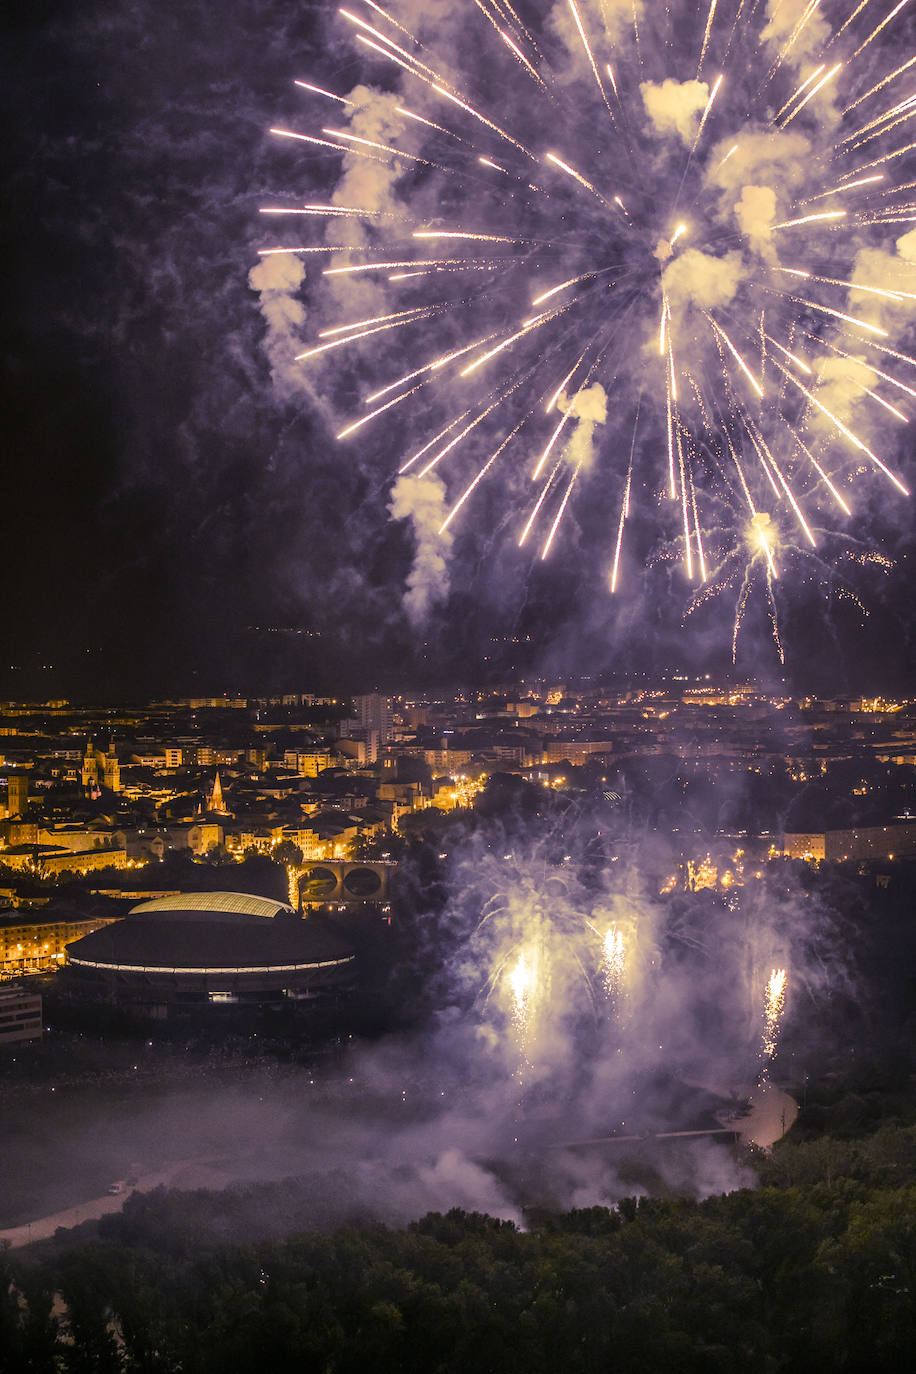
x=214, y=901
x=190, y=941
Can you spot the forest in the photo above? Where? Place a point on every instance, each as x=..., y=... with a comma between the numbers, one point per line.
x=813, y=1270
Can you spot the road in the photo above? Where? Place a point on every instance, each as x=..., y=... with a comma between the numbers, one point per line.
x=186, y=1173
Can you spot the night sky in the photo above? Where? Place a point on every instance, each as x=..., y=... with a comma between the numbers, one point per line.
x=177, y=514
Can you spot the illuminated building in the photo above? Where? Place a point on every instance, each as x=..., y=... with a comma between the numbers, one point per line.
x=200, y=951
x=445, y=761
x=17, y=795
x=21, y=832
x=20, y=1017
x=374, y=715
x=79, y=839
x=408, y=795
x=352, y=752
x=336, y=831
x=141, y=845
x=48, y=860
x=101, y=769
x=200, y=837
x=577, y=751
x=28, y=945
x=215, y=802
x=865, y=842
x=308, y=763
x=305, y=839
x=213, y=703
x=811, y=847
x=245, y=838
x=522, y=709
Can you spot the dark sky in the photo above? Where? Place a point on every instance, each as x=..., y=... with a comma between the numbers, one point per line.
x=172, y=518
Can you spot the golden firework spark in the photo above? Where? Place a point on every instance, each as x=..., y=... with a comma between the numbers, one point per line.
x=614, y=962
x=774, y=1001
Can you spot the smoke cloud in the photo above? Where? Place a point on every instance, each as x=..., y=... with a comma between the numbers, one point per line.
x=614, y=20
x=675, y=107
x=589, y=408
x=794, y=29
x=756, y=213
x=422, y=501
x=278, y=280
x=702, y=280
x=778, y=157
x=368, y=184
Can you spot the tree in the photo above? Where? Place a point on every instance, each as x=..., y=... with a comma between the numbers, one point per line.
x=286, y=853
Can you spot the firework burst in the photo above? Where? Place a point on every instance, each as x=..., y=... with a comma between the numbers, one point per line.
x=616, y=268
x=615, y=960
x=773, y=1004
x=553, y=943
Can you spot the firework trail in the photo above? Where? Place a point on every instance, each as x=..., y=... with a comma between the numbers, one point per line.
x=774, y=1002
x=525, y=992
x=614, y=965
x=614, y=267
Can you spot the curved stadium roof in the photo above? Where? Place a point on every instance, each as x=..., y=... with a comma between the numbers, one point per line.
x=214, y=901
x=188, y=935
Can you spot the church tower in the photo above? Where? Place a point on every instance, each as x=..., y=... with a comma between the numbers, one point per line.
x=215, y=802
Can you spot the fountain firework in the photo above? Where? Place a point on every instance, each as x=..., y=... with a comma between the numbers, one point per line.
x=774, y=1002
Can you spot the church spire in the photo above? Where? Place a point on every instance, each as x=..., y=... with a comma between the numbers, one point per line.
x=215, y=800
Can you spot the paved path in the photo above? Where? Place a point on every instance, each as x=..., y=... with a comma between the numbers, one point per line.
x=187, y=1173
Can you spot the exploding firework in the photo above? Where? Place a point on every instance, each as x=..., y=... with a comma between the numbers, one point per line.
x=551, y=938
x=522, y=980
x=624, y=272
x=593, y=997
x=525, y=987
x=774, y=1001
x=614, y=964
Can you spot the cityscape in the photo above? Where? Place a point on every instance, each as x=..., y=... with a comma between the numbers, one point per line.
x=303, y=779
x=672, y=897
x=457, y=687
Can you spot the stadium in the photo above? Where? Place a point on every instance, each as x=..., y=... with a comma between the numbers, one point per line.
x=198, y=951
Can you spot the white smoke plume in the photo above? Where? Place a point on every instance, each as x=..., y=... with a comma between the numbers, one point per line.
x=756, y=214
x=369, y=185
x=841, y=384
x=702, y=279
x=614, y=20
x=277, y=279
x=675, y=107
x=844, y=382
x=422, y=501
x=888, y=272
x=589, y=408
x=794, y=29
x=775, y=157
